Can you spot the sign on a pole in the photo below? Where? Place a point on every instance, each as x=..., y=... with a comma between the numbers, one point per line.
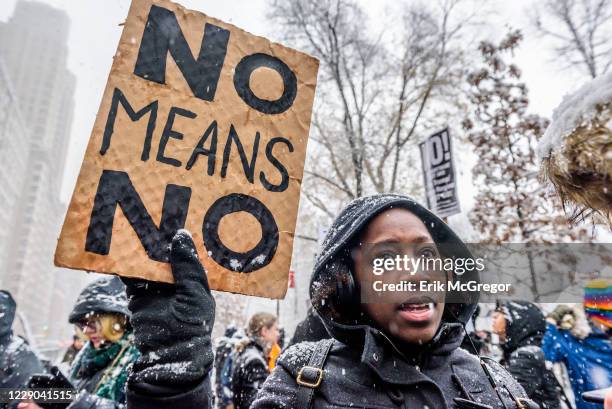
x=439, y=174
x=202, y=126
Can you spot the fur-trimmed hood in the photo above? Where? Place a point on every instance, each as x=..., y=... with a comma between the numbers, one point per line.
x=576, y=322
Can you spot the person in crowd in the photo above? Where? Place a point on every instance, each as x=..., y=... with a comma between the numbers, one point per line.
x=309, y=329
x=582, y=341
x=520, y=326
x=475, y=342
x=17, y=360
x=387, y=353
x=102, y=316
x=73, y=349
x=282, y=335
x=100, y=370
x=252, y=356
x=225, y=346
x=273, y=356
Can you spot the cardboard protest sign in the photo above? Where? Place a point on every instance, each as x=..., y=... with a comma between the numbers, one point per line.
x=439, y=174
x=203, y=126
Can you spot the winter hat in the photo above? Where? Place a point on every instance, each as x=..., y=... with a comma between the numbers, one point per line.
x=7, y=313
x=576, y=149
x=524, y=320
x=230, y=331
x=105, y=295
x=598, y=301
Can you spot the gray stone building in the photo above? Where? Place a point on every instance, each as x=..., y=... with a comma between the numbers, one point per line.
x=33, y=47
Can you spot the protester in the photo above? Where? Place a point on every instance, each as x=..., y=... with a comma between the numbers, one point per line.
x=99, y=372
x=73, y=350
x=582, y=342
x=475, y=342
x=251, y=365
x=101, y=314
x=520, y=326
x=17, y=361
x=381, y=355
x=225, y=346
x=282, y=335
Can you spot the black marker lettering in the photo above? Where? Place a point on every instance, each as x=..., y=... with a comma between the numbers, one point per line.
x=200, y=150
x=242, y=75
x=170, y=133
x=249, y=168
x=162, y=34
x=282, y=186
x=115, y=188
x=258, y=257
x=118, y=97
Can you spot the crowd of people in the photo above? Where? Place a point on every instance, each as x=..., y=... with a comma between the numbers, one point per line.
x=148, y=345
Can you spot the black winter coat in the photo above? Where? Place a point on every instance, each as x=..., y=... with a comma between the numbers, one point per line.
x=377, y=377
x=523, y=356
x=17, y=361
x=222, y=352
x=364, y=369
x=310, y=329
x=86, y=400
x=249, y=371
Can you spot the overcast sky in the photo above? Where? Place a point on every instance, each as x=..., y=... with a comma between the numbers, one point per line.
x=95, y=32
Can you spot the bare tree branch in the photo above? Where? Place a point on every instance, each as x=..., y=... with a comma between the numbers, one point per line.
x=582, y=37
x=318, y=203
x=377, y=88
x=330, y=182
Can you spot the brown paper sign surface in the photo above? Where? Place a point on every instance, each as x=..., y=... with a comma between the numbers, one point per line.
x=202, y=126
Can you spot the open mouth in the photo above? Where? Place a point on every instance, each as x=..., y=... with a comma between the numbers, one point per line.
x=417, y=311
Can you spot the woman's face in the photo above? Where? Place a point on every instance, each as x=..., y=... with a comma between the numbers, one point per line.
x=270, y=335
x=408, y=316
x=91, y=327
x=499, y=325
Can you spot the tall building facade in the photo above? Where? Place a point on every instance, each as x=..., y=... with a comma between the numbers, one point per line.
x=14, y=155
x=33, y=45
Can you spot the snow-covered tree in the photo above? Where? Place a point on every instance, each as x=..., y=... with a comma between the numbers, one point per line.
x=511, y=205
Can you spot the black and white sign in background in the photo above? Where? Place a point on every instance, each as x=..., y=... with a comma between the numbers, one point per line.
x=439, y=174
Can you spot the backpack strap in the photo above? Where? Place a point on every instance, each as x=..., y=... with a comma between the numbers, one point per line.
x=310, y=376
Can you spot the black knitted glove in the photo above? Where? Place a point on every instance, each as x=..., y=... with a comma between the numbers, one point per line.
x=56, y=380
x=172, y=324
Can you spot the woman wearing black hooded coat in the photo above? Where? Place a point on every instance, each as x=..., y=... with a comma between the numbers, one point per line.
x=17, y=360
x=520, y=326
x=376, y=359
